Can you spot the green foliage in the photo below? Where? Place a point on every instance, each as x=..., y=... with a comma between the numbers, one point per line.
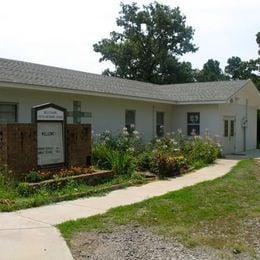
x=144, y=160
x=258, y=41
x=33, y=177
x=239, y=69
x=165, y=165
x=117, y=152
x=211, y=72
x=147, y=49
x=202, y=151
x=121, y=162
x=99, y=156
x=23, y=189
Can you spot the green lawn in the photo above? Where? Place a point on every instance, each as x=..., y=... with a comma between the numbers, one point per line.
x=215, y=213
x=11, y=200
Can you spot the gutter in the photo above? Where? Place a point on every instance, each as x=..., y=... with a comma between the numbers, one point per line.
x=15, y=85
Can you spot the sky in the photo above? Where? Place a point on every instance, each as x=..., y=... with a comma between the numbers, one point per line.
x=62, y=32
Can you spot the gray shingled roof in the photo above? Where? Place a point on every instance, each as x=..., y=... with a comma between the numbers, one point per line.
x=12, y=71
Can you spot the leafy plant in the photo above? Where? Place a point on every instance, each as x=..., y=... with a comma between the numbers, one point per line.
x=203, y=150
x=166, y=165
x=33, y=177
x=121, y=162
x=23, y=189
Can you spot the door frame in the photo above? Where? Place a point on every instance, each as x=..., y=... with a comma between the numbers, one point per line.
x=227, y=145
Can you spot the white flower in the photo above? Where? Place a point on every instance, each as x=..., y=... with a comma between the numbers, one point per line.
x=125, y=133
x=135, y=132
x=107, y=132
x=131, y=149
x=107, y=138
x=158, y=141
x=179, y=131
x=124, y=129
x=132, y=126
x=164, y=146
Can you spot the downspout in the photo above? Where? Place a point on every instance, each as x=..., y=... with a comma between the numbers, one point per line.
x=153, y=120
x=244, y=125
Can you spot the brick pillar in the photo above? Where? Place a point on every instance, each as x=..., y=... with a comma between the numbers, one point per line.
x=18, y=150
x=78, y=144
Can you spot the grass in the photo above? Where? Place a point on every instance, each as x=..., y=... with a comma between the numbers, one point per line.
x=212, y=213
x=11, y=200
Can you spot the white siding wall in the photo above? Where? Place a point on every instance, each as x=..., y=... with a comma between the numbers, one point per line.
x=238, y=109
x=209, y=118
x=107, y=113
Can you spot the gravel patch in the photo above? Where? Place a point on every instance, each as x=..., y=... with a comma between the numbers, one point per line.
x=132, y=242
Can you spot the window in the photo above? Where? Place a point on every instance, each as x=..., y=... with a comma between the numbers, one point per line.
x=76, y=112
x=193, y=123
x=130, y=120
x=225, y=128
x=8, y=113
x=160, y=124
x=232, y=127
x=229, y=128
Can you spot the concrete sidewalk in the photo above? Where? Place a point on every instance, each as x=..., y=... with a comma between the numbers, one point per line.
x=30, y=233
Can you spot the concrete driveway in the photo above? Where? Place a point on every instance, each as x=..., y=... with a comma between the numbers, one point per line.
x=31, y=233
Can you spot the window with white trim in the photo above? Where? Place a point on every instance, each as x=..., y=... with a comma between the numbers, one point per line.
x=160, y=124
x=130, y=120
x=8, y=113
x=193, y=123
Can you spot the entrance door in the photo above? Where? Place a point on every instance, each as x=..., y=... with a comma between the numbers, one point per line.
x=229, y=126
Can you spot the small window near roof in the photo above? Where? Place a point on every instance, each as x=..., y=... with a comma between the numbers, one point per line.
x=130, y=120
x=8, y=113
x=193, y=123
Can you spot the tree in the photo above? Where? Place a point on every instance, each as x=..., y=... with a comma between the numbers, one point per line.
x=211, y=72
x=148, y=48
x=258, y=41
x=239, y=69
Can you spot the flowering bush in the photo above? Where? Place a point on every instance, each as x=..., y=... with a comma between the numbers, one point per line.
x=124, y=141
x=202, y=150
x=117, y=152
x=166, y=165
x=167, y=156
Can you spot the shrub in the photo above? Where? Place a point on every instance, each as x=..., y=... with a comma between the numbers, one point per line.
x=33, y=177
x=121, y=162
x=99, y=156
x=202, y=150
x=165, y=165
x=144, y=160
x=124, y=141
x=23, y=189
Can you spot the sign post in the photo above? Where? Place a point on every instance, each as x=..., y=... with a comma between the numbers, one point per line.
x=51, y=146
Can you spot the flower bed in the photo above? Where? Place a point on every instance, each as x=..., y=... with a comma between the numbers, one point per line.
x=169, y=155
x=89, y=178
x=55, y=181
